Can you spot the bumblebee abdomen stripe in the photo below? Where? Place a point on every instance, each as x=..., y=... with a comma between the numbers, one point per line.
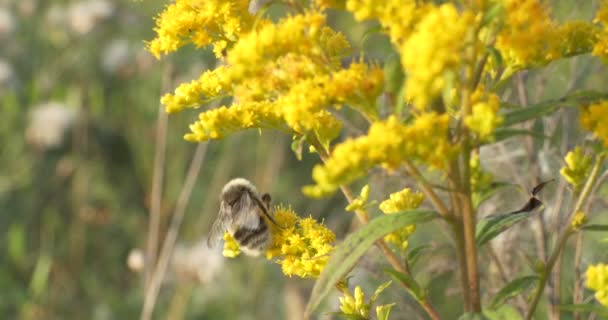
x=252, y=237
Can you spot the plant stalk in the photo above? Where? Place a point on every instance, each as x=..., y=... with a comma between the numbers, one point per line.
x=564, y=235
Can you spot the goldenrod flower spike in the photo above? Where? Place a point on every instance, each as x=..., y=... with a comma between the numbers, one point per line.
x=577, y=168
x=597, y=280
x=595, y=119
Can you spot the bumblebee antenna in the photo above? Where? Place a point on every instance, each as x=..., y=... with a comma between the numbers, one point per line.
x=263, y=207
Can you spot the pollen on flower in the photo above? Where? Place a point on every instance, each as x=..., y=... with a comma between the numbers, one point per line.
x=231, y=247
x=577, y=168
x=210, y=85
x=301, y=246
x=595, y=119
x=597, y=280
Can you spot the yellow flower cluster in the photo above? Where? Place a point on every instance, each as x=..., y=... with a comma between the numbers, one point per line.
x=573, y=38
x=397, y=17
x=200, y=22
x=219, y=122
x=387, y=143
x=601, y=46
x=433, y=53
x=361, y=201
x=358, y=86
x=355, y=304
x=402, y=200
x=480, y=179
x=484, y=116
x=399, y=201
x=302, y=34
x=595, y=119
x=211, y=84
x=302, y=246
x=579, y=219
x=282, y=76
x=597, y=280
x=577, y=168
x=231, y=247
x=528, y=31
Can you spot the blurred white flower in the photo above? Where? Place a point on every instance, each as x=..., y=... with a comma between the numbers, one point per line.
x=116, y=56
x=84, y=15
x=136, y=260
x=197, y=262
x=7, y=22
x=48, y=124
x=7, y=74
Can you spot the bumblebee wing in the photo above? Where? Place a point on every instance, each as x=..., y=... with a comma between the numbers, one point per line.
x=245, y=213
x=221, y=223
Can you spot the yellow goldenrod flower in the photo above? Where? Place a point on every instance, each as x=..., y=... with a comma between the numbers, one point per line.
x=200, y=22
x=210, y=85
x=402, y=200
x=595, y=119
x=355, y=304
x=361, y=201
x=577, y=168
x=231, y=247
x=222, y=121
x=484, y=116
x=573, y=38
x=597, y=280
x=358, y=86
x=387, y=143
x=301, y=246
x=600, y=49
x=579, y=219
x=527, y=33
x=433, y=52
x=397, y=17
x=399, y=201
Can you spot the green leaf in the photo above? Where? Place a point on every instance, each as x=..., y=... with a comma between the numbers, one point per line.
x=409, y=282
x=513, y=289
x=586, y=308
x=343, y=315
x=506, y=133
x=414, y=255
x=595, y=227
x=393, y=73
x=493, y=13
x=547, y=107
x=491, y=226
x=383, y=311
x=379, y=291
x=480, y=197
x=297, y=145
x=346, y=255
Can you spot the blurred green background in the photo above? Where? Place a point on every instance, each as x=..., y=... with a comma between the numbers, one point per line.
x=79, y=100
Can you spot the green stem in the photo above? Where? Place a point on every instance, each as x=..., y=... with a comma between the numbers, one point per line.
x=564, y=235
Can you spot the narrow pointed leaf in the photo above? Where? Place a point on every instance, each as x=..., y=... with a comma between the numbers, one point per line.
x=491, y=226
x=414, y=255
x=383, y=311
x=409, y=282
x=595, y=227
x=587, y=308
x=512, y=289
x=346, y=255
x=547, y=107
